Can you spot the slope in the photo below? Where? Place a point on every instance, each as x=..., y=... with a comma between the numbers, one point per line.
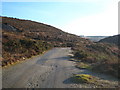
x=112, y=39
x=23, y=39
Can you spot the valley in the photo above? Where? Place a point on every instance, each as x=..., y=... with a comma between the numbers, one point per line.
x=37, y=55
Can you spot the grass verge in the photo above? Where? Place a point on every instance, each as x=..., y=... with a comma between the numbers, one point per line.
x=84, y=78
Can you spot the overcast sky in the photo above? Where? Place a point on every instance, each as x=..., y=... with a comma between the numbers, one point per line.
x=81, y=17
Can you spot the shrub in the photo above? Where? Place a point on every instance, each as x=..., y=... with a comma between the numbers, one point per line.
x=80, y=54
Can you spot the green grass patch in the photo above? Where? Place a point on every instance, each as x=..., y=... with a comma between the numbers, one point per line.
x=84, y=78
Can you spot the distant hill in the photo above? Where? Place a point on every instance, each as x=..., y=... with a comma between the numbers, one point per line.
x=94, y=38
x=38, y=31
x=112, y=39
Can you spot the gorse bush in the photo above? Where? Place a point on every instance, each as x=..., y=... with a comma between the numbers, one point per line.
x=27, y=43
x=80, y=54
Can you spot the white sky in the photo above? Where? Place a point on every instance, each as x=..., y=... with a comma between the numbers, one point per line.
x=103, y=23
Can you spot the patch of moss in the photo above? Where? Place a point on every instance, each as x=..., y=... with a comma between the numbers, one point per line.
x=83, y=78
